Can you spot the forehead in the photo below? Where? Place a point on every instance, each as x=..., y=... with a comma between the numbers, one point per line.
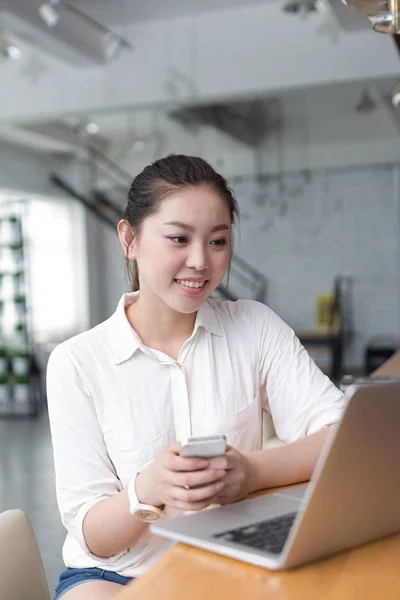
x=195, y=205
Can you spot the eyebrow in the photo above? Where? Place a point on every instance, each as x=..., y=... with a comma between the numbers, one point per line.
x=222, y=227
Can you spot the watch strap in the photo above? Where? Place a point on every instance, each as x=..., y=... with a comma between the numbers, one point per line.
x=144, y=512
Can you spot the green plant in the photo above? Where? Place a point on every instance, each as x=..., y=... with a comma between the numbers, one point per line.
x=19, y=299
x=19, y=353
x=21, y=379
x=16, y=245
x=20, y=327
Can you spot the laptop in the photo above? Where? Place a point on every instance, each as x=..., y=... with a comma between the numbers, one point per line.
x=352, y=498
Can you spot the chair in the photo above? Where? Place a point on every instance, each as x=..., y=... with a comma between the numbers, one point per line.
x=21, y=571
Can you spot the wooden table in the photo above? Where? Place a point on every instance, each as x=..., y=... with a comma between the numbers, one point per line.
x=371, y=572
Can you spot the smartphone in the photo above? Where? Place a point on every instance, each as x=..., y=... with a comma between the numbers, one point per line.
x=207, y=446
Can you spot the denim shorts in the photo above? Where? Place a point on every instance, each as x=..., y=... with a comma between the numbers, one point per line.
x=73, y=577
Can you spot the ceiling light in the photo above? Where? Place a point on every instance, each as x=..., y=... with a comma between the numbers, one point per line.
x=92, y=128
x=49, y=13
x=383, y=23
x=113, y=45
x=138, y=146
x=8, y=49
x=396, y=96
x=14, y=52
x=113, y=42
x=383, y=14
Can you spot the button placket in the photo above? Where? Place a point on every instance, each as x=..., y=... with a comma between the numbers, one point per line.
x=180, y=402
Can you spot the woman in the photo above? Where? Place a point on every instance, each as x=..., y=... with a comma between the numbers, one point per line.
x=169, y=364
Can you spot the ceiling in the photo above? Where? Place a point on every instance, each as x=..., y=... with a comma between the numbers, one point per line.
x=318, y=103
x=118, y=12
x=79, y=41
x=118, y=131
x=123, y=128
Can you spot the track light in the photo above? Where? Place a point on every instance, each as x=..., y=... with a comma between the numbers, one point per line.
x=383, y=14
x=113, y=43
x=49, y=12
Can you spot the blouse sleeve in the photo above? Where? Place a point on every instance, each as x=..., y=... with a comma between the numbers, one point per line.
x=299, y=397
x=85, y=474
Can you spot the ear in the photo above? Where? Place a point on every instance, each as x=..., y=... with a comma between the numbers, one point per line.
x=127, y=239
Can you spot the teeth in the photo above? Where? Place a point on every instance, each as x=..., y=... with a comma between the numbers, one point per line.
x=191, y=284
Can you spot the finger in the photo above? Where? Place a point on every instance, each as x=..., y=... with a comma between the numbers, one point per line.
x=174, y=448
x=228, y=460
x=197, y=478
x=182, y=464
x=196, y=495
x=219, y=462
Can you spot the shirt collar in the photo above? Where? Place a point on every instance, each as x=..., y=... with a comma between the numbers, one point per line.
x=123, y=339
x=207, y=318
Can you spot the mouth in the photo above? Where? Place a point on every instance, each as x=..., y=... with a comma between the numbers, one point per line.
x=193, y=288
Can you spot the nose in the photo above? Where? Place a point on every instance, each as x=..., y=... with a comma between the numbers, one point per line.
x=197, y=258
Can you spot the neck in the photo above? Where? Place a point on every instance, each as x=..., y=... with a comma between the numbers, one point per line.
x=159, y=325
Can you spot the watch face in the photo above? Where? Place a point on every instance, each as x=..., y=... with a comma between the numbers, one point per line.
x=147, y=515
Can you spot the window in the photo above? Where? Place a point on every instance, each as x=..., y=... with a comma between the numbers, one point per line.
x=55, y=265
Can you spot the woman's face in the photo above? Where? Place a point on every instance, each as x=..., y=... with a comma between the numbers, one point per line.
x=183, y=250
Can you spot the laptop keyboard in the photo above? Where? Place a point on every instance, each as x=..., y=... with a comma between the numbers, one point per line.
x=269, y=535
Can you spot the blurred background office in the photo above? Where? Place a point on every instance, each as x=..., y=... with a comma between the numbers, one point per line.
x=293, y=101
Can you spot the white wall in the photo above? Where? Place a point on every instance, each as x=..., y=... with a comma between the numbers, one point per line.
x=304, y=232
x=23, y=170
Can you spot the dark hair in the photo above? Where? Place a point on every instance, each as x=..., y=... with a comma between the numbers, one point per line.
x=163, y=177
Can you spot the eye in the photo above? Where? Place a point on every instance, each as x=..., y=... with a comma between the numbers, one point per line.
x=178, y=239
x=220, y=242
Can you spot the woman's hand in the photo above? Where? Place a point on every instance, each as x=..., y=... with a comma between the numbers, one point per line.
x=237, y=478
x=183, y=483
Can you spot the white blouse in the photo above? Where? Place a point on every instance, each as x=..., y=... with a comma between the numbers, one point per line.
x=114, y=404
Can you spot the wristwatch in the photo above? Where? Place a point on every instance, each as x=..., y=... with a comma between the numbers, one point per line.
x=143, y=512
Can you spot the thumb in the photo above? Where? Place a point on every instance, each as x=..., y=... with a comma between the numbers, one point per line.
x=174, y=448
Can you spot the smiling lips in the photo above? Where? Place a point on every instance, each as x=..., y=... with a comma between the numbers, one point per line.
x=192, y=287
x=190, y=283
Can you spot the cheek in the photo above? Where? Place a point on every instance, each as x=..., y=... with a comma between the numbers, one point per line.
x=150, y=259
x=157, y=259
x=221, y=260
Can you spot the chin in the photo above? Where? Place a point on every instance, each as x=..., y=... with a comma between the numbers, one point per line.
x=187, y=306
